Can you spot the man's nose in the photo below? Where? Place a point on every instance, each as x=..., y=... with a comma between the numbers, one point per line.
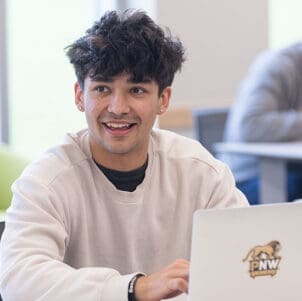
x=118, y=104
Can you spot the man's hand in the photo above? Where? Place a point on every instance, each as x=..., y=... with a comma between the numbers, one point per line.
x=167, y=283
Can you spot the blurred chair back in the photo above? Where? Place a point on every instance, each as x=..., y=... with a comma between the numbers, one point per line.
x=11, y=166
x=1, y=228
x=208, y=125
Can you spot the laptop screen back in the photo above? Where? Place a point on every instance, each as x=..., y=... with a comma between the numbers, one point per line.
x=247, y=254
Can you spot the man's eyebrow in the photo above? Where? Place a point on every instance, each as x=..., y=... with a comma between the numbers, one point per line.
x=100, y=78
x=130, y=80
x=145, y=80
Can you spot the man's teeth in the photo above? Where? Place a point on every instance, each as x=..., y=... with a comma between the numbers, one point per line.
x=118, y=125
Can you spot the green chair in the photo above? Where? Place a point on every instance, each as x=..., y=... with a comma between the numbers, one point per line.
x=2, y=225
x=11, y=166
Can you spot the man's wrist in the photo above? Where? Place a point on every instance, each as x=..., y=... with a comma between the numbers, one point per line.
x=131, y=287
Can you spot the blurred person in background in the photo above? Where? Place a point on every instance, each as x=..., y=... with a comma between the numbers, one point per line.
x=268, y=108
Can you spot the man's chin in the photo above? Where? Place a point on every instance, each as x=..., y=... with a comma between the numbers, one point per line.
x=119, y=149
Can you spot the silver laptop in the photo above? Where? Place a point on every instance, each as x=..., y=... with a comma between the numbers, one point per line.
x=247, y=254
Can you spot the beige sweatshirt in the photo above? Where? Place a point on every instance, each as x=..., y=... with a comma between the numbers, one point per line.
x=71, y=235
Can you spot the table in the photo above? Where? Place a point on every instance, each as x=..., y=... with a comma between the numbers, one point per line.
x=273, y=159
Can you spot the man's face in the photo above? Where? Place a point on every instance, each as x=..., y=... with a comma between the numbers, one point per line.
x=120, y=114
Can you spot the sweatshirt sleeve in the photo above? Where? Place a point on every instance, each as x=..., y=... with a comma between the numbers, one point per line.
x=32, y=255
x=225, y=193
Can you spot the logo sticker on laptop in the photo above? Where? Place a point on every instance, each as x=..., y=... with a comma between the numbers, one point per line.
x=264, y=259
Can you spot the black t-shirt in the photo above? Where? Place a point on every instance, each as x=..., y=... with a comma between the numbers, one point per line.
x=125, y=180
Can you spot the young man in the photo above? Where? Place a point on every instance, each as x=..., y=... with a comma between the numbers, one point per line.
x=117, y=199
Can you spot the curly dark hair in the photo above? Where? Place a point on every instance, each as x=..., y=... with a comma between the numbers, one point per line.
x=130, y=42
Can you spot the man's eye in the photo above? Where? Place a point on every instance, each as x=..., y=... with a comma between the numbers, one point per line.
x=137, y=90
x=102, y=89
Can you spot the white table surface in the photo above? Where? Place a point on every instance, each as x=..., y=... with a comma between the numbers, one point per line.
x=273, y=159
x=288, y=150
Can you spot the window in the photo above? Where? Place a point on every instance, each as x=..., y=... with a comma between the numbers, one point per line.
x=39, y=83
x=4, y=133
x=284, y=22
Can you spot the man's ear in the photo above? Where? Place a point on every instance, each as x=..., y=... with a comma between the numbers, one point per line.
x=79, y=99
x=164, y=100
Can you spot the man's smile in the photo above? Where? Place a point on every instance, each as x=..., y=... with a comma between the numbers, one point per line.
x=113, y=125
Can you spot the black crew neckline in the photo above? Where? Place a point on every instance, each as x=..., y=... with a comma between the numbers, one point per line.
x=125, y=180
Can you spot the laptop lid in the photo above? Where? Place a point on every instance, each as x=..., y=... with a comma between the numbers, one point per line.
x=248, y=254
